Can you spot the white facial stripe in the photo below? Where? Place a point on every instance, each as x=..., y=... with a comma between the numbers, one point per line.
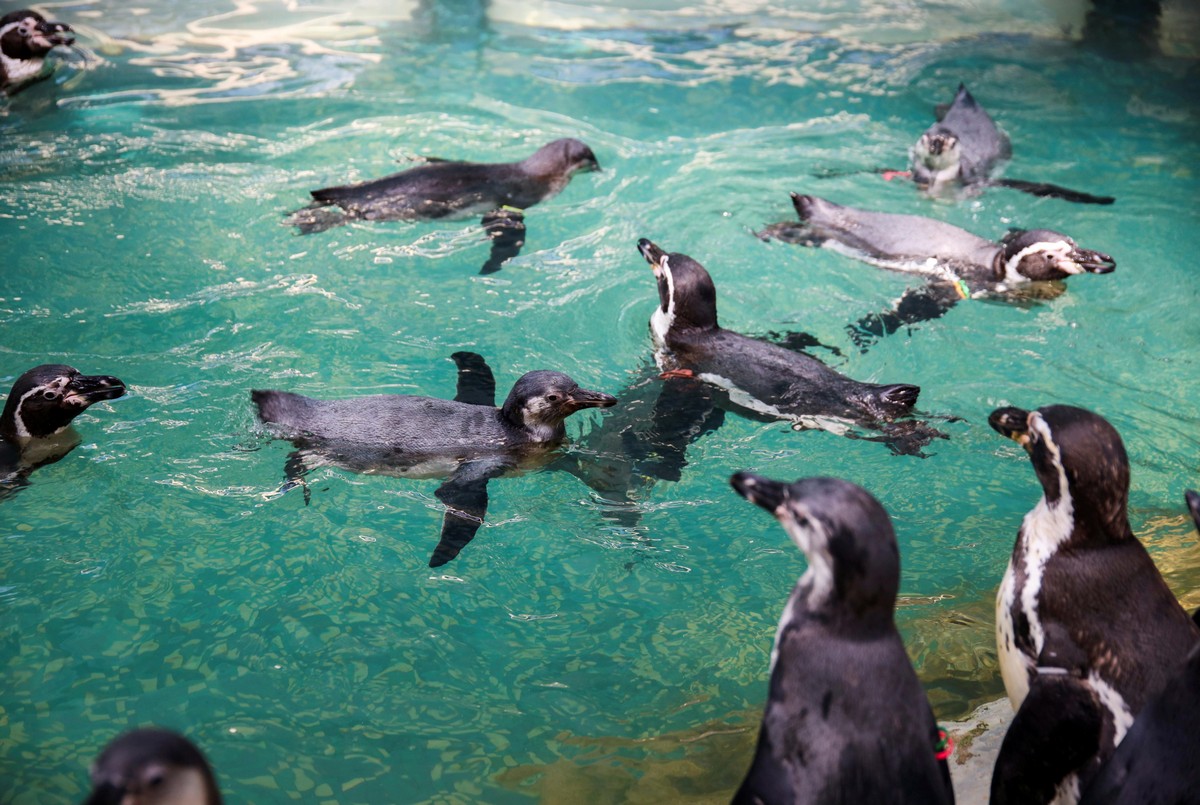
x=660, y=322
x=1058, y=251
x=57, y=386
x=811, y=538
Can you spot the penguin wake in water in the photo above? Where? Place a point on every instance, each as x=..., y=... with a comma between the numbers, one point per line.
x=763, y=379
x=467, y=440
x=957, y=265
x=500, y=192
x=26, y=37
x=1087, y=631
x=35, y=427
x=152, y=767
x=964, y=147
x=846, y=720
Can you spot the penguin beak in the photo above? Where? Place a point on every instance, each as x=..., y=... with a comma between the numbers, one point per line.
x=88, y=389
x=579, y=399
x=760, y=491
x=53, y=34
x=1012, y=423
x=654, y=255
x=106, y=794
x=1092, y=262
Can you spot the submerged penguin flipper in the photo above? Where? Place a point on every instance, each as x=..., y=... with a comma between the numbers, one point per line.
x=1046, y=190
x=476, y=383
x=466, y=498
x=506, y=229
x=925, y=303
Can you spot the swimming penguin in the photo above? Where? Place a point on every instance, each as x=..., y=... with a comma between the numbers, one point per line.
x=766, y=379
x=1086, y=629
x=957, y=265
x=846, y=719
x=443, y=189
x=35, y=427
x=468, y=441
x=25, y=39
x=152, y=767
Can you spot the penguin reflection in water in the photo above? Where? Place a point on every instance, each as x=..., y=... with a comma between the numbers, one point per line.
x=500, y=192
x=35, y=427
x=767, y=380
x=1024, y=265
x=467, y=441
x=152, y=767
x=1087, y=631
x=846, y=720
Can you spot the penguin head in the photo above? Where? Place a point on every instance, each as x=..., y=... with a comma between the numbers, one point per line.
x=541, y=400
x=1193, y=503
x=27, y=35
x=1042, y=254
x=562, y=157
x=45, y=399
x=152, y=767
x=937, y=150
x=686, y=295
x=843, y=531
x=1079, y=458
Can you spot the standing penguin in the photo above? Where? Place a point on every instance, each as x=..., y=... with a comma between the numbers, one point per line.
x=26, y=37
x=762, y=378
x=846, y=720
x=152, y=767
x=1086, y=629
x=35, y=427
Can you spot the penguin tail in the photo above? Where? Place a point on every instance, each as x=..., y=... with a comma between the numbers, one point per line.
x=276, y=406
x=316, y=217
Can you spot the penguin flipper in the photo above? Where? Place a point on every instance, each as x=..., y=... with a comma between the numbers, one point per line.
x=1052, y=191
x=476, y=383
x=916, y=305
x=294, y=471
x=466, y=499
x=506, y=228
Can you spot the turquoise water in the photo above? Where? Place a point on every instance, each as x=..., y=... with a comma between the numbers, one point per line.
x=155, y=576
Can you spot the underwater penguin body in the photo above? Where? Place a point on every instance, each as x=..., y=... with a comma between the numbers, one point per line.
x=1086, y=629
x=152, y=767
x=443, y=189
x=846, y=719
x=957, y=265
x=35, y=427
x=763, y=378
x=26, y=37
x=468, y=440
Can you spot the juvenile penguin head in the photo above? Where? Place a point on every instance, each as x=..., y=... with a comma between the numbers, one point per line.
x=1079, y=457
x=844, y=532
x=541, y=400
x=1042, y=254
x=27, y=35
x=152, y=767
x=687, y=297
x=938, y=150
x=562, y=157
x=45, y=399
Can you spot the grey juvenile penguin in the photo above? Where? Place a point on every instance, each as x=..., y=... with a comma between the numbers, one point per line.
x=26, y=37
x=1086, y=629
x=444, y=189
x=152, y=767
x=467, y=440
x=846, y=720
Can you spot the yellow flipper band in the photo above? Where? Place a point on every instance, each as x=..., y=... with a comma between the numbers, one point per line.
x=963, y=291
x=507, y=208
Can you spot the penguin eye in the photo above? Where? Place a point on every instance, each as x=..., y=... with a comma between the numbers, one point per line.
x=155, y=780
x=552, y=398
x=50, y=394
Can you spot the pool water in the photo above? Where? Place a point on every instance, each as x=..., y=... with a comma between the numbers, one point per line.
x=581, y=648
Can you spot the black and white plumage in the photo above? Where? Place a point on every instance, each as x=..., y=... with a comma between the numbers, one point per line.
x=956, y=264
x=846, y=719
x=964, y=147
x=26, y=37
x=500, y=192
x=1082, y=614
x=152, y=766
x=467, y=440
x=35, y=427
x=763, y=378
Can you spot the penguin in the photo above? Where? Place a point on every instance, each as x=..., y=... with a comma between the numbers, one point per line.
x=152, y=767
x=26, y=37
x=1082, y=614
x=445, y=189
x=846, y=719
x=963, y=148
x=764, y=379
x=35, y=427
x=957, y=265
x=467, y=441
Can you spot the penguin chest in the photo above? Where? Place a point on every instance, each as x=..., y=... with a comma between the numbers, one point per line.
x=1015, y=664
